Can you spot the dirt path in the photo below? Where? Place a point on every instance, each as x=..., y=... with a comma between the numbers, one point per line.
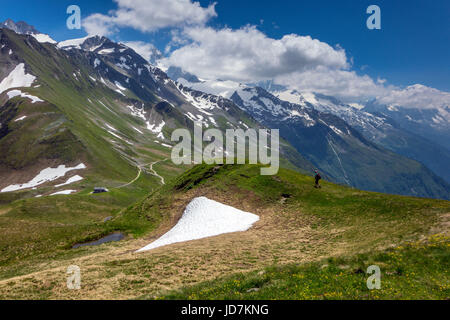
x=140, y=167
x=156, y=173
x=132, y=181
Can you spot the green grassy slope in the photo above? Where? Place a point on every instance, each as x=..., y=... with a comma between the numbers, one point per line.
x=77, y=114
x=332, y=205
x=417, y=270
x=71, y=126
x=367, y=222
x=299, y=227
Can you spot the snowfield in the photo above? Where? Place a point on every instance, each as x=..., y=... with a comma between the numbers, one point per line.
x=17, y=78
x=70, y=181
x=107, y=51
x=44, y=176
x=15, y=93
x=204, y=218
x=155, y=128
x=43, y=38
x=72, y=43
x=64, y=192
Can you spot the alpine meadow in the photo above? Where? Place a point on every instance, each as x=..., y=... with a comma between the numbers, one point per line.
x=184, y=150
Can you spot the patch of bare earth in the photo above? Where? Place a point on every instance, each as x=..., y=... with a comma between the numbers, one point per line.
x=4, y=210
x=443, y=225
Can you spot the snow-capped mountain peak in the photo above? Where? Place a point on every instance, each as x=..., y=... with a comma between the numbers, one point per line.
x=22, y=27
x=74, y=43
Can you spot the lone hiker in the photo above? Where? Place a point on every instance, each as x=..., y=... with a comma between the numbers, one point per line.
x=317, y=177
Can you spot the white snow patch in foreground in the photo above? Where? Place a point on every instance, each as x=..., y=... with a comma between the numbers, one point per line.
x=63, y=192
x=15, y=93
x=44, y=176
x=204, y=218
x=17, y=78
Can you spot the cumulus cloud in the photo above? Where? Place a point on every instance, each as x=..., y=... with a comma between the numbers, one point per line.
x=149, y=15
x=144, y=49
x=416, y=96
x=99, y=24
x=297, y=62
x=247, y=54
x=345, y=84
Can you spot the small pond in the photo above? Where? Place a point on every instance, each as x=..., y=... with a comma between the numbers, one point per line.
x=117, y=236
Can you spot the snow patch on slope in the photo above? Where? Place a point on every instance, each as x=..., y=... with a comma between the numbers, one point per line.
x=15, y=93
x=107, y=51
x=20, y=119
x=219, y=88
x=44, y=176
x=70, y=180
x=43, y=38
x=64, y=192
x=289, y=96
x=136, y=112
x=72, y=43
x=155, y=128
x=202, y=102
x=17, y=78
x=204, y=218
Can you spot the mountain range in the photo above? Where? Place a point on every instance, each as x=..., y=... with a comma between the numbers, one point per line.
x=348, y=143
x=86, y=179
x=416, y=134
x=98, y=102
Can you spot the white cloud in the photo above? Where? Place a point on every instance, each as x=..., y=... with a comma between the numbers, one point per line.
x=247, y=54
x=149, y=15
x=144, y=49
x=298, y=62
x=99, y=24
x=416, y=96
x=345, y=84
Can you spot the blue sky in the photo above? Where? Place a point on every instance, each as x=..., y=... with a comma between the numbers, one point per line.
x=412, y=47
